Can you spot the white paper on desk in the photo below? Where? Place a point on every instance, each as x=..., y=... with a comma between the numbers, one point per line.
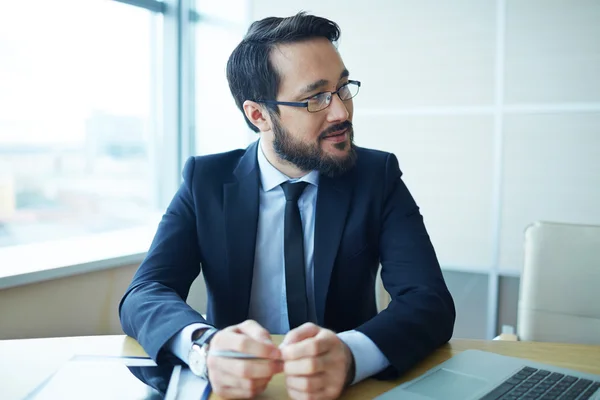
x=125, y=360
x=184, y=385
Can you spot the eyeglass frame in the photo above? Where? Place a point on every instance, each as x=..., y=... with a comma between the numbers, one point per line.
x=305, y=103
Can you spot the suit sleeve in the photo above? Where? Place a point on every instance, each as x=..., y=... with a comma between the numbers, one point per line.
x=421, y=314
x=154, y=306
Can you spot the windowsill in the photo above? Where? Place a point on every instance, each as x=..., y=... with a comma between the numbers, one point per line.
x=38, y=262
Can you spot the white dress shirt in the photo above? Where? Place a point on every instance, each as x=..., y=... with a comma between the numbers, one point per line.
x=268, y=281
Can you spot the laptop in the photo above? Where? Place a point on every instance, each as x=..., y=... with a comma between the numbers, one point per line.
x=475, y=374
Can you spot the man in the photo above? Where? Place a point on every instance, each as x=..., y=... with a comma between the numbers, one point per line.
x=289, y=234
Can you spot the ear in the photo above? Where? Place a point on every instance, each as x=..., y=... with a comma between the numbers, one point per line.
x=258, y=115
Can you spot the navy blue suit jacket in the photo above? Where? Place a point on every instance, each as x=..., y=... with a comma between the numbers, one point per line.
x=363, y=218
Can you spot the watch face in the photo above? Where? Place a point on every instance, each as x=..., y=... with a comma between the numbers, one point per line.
x=197, y=360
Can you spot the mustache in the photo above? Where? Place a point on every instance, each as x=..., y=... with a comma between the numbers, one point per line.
x=337, y=127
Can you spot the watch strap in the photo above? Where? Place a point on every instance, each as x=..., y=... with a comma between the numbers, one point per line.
x=200, y=349
x=205, y=336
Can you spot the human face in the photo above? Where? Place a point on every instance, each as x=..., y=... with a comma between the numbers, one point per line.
x=321, y=140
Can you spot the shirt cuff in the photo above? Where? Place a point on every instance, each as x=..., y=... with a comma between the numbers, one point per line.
x=181, y=343
x=368, y=359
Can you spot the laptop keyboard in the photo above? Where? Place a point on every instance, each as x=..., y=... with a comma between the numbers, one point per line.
x=531, y=383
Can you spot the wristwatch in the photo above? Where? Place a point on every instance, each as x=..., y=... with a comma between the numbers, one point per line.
x=199, y=353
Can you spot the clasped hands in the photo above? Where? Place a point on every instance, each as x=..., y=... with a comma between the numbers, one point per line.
x=316, y=363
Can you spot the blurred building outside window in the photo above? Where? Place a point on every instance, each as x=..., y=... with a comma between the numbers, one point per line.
x=79, y=112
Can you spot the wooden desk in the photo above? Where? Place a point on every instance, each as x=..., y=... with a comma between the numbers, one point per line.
x=26, y=363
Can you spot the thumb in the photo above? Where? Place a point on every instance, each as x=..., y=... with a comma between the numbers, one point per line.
x=300, y=333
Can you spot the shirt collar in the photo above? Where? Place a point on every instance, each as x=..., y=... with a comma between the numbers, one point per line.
x=271, y=177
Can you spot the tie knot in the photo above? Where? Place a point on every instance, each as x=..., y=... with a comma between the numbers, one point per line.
x=293, y=191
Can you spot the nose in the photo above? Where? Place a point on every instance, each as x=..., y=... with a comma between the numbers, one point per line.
x=337, y=110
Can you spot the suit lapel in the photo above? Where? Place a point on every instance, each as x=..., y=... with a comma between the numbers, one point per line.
x=241, y=200
x=333, y=203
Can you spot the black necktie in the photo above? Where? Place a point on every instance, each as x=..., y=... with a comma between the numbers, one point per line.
x=295, y=277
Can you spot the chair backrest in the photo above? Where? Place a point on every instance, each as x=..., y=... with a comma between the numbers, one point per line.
x=559, y=299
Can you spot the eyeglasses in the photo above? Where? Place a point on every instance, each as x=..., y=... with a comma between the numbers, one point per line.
x=322, y=100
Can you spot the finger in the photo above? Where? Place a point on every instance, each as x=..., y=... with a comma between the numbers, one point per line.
x=305, y=366
x=300, y=395
x=307, y=384
x=253, y=386
x=228, y=392
x=278, y=366
x=255, y=331
x=323, y=342
x=231, y=339
x=250, y=369
x=302, y=332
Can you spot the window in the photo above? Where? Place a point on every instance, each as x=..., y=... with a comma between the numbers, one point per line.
x=79, y=117
x=220, y=126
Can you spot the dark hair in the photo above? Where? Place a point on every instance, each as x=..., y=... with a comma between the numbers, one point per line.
x=249, y=71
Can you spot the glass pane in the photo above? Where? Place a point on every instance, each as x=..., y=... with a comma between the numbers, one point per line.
x=220, y=125
x=78, y=107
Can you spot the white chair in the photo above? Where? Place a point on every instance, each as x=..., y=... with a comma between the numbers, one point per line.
x=559, y=299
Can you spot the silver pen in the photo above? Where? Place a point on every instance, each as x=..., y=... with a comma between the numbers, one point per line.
x=237, y=355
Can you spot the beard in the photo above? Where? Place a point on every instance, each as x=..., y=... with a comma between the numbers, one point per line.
x=310, y=156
